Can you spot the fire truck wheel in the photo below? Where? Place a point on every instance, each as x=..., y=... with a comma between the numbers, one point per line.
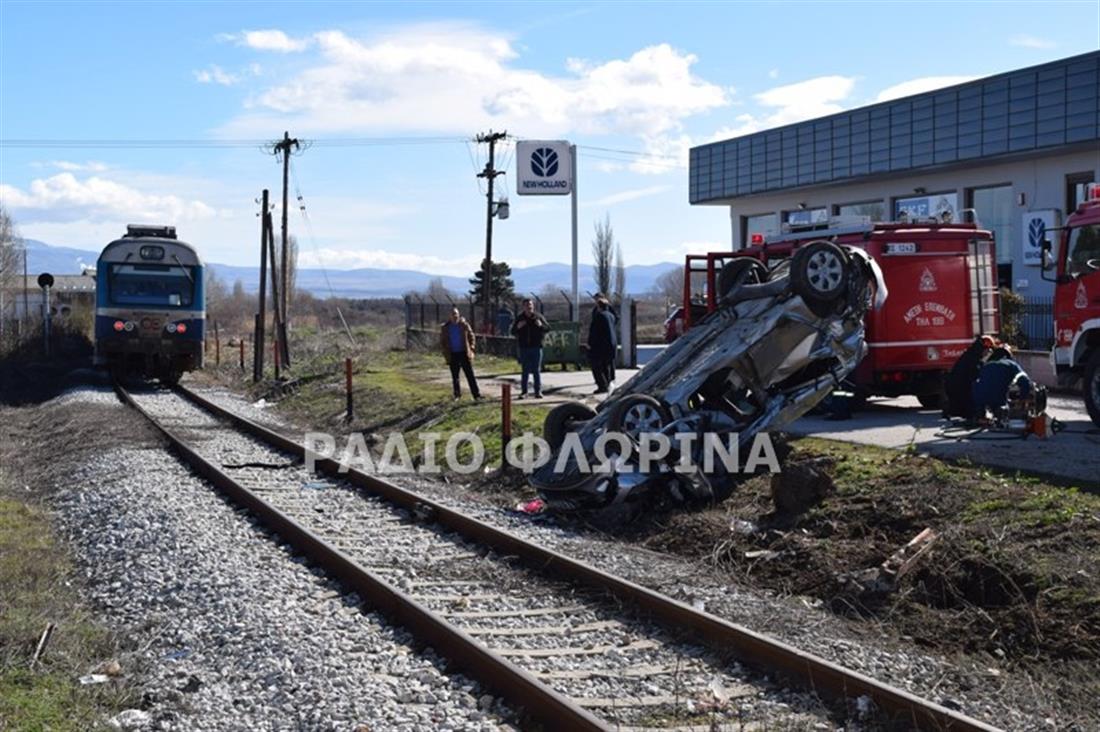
x=562, y=420
x=737, y=272
x=637, y=414
x=819, y=272
x=1092, y=388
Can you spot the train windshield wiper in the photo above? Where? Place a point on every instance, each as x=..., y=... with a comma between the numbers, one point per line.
x=185, y=272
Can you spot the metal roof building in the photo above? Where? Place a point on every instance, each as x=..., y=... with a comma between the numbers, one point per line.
x=1019, y=143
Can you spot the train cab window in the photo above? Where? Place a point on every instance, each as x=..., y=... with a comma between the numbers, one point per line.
x=151, y=284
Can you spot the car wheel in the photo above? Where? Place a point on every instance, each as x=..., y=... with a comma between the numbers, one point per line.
x=1092, y=388
x=636, y=414
x=737, y=272
x=562, y=420
x=819, y=272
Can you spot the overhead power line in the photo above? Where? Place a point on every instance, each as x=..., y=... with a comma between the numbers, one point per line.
x=217, y=144
x=637, y=153
x=264, y=144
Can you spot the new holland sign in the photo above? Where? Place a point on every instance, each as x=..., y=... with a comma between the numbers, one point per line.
x=543, y=168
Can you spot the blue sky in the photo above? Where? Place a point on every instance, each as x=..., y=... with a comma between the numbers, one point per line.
x=653, y=78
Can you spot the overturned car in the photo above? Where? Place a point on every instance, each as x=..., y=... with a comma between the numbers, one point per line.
x=780, y=340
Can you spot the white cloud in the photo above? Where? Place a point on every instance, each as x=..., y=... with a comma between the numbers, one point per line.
x=677, y=252
x=1026, y=41
x=919, y=86
x=216, y=75
x=805, y=99
x=64, y=198
x=92, y=166
x=817, y=97
x=460, y=77
x=629, y=195
x=773, y=74
x=267, y=40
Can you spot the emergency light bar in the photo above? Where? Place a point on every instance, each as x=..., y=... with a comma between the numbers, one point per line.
x=1092, y=192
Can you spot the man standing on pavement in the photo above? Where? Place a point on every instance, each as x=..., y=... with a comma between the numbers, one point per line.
x=602, y=344
x=529, y=329
x=456, y=339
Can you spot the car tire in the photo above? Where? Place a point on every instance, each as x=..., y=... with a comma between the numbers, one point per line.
x=638, y=413
x=737, y=272
x=1091, y=387
x=819, y=273
x=564, y=419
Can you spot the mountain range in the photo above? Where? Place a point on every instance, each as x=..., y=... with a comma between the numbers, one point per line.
x=364, y=282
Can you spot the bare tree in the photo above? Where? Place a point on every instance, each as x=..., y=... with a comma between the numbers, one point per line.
x=10, y=265
x=438, y=291
x=603, y=252
x=291, y=268
x=670, y=285
x=620, y=274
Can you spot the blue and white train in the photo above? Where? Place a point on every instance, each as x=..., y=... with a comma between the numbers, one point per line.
x=150, y=305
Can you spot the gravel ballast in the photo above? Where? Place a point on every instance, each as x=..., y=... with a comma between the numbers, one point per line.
x=222, y=628
x=978, y=686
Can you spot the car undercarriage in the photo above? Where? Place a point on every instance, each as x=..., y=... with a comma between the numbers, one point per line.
x=780, y=340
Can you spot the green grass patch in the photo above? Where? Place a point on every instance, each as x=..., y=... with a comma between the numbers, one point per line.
x=1045, y=506
x=403, y=391
x=37, y=588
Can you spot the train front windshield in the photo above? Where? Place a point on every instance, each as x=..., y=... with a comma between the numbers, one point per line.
x=158, y=285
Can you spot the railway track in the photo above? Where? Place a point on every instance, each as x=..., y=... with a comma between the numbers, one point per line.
x=574, y=647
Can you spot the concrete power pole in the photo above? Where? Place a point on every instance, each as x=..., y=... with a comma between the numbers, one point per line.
x=490, y=173
x=284, y=146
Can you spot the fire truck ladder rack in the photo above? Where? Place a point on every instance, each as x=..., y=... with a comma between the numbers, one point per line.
x=984, y=294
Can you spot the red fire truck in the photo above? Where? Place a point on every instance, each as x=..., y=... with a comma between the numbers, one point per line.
x=1076, y=353
x=942, y=284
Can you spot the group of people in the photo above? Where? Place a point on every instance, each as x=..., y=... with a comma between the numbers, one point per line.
x=982, y=379
x=457, y=341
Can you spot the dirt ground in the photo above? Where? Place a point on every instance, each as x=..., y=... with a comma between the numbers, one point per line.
x=1012, y=573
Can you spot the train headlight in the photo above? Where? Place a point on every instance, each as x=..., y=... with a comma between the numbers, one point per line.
x=119, y=325
x=129, y=326
x=171, y=327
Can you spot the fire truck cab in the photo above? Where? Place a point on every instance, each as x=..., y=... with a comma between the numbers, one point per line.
x=1076, y=353
x=943, y=294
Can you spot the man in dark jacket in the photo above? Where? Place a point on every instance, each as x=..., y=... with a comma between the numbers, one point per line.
x=529, y=329
x=602, y=344
x=456, y=340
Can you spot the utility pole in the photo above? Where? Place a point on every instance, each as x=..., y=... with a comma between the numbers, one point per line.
x=261, y=317
x=284, y=146
x=26, y=292
x=490, y=173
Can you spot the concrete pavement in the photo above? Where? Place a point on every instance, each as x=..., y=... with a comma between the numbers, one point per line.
x=1072, y=455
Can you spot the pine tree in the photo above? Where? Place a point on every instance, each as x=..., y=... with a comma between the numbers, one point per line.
x=503, y=286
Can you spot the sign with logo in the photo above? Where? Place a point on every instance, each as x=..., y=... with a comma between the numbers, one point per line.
x=927, y=281
x=806, y=217
x=1081, y=299
x=543, y=168
x=924, y=207
x=1038, y=225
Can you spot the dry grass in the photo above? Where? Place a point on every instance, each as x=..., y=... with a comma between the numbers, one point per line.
x=38, y=582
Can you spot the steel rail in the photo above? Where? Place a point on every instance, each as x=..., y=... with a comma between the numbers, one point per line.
x=808, y=670
x=521, y=689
